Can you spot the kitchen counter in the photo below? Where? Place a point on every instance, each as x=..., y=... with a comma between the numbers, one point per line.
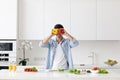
x=42, y=74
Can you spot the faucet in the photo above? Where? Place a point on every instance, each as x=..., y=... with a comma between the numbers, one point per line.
x=93, y=57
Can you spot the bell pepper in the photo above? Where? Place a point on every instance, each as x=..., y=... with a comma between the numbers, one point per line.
x=61, y=31
x=55, y=31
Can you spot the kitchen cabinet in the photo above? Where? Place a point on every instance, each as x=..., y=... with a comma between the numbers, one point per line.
x=108, y=19
x=31, y=19
x=8, y=19
x=38, y=17
x=83, y=19
x=56, y=12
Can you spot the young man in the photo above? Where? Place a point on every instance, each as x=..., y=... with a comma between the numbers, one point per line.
x=59, y=50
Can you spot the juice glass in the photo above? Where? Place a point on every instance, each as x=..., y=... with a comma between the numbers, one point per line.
x=14, y=67
x=10, y=67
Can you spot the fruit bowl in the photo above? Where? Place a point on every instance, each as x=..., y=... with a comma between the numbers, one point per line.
x=111, y=62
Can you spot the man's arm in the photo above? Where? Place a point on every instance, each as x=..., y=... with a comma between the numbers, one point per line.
x=73, y=41
x=68, y=35
x=45, y=42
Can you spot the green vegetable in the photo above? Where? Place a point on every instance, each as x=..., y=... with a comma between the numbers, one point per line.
x=70, y=70
x=60, y=70
x=77, y=72
x=102, y=71
x=74, y=70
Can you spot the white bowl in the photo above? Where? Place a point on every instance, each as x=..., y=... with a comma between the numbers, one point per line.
x=94, y=71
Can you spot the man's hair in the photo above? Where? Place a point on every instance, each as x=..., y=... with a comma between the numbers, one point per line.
x=57, y=26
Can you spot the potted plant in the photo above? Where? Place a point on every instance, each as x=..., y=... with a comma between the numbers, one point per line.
x=25, y=45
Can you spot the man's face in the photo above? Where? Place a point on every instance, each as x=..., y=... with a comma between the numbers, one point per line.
x=58, y=35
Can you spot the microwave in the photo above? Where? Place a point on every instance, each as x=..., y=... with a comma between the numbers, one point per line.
x=7, y=52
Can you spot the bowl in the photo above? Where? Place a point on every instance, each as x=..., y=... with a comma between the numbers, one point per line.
x=94, y=71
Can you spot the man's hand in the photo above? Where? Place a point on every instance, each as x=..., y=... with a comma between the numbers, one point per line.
x=47, y=38
x=65, y=33
x=68, y=35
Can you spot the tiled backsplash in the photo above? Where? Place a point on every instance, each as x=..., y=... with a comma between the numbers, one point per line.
x=82, y=54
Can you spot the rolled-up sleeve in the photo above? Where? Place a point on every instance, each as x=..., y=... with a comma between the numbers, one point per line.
x=74, y=43
x=41, y=44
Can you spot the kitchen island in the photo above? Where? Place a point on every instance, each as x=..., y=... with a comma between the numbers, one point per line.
x=42, y=74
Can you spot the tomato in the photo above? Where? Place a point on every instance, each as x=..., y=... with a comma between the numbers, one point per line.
x=95, y=68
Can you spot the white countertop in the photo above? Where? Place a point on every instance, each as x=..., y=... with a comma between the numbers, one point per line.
x=114, y=74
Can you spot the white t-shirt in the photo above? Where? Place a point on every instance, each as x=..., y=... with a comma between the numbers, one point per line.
x=59, y=61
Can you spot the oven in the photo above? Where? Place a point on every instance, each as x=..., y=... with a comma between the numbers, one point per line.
x=7, y=52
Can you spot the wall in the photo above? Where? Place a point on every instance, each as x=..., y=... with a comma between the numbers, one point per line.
x=103, y=50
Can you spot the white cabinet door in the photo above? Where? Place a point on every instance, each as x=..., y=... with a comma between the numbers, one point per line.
x=83, y=19
x=31, y=19
x=8, y=19
x=56, y=12
x=108, y=19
